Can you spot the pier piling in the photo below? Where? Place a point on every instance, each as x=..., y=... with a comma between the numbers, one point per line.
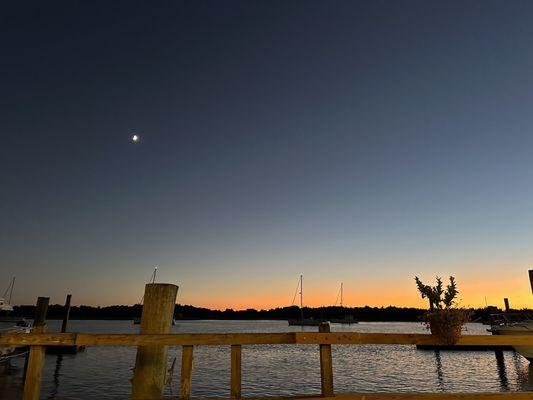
x=66, y=314
x=65, y=349
x=326, y=364
x=506, y=301
x=236, y=371
x=32, y=381
x=151, y=361
x=186, y=372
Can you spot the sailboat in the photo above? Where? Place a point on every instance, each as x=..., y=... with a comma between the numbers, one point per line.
x=302, y=321
x=347, y=318
x=11, y=324
x=6, y=309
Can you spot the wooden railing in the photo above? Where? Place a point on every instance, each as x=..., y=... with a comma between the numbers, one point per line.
x=236, y=340
x=155, y=336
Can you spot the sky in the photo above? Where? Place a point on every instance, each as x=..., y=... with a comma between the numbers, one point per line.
x=362, y=142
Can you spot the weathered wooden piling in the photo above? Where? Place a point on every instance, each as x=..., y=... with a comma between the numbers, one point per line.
x=32, y=381
x=326, y=364
x=186, y=372
x=66, y=314
x=65, y=349
x=235, y=371
x=506, y=301
x=531, y=279
x=150, y=364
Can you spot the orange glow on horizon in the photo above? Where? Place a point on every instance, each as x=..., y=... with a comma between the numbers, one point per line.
x=390, y=288
x=472, y=294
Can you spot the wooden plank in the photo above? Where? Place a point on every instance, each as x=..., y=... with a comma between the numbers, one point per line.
x=218, y=339
x=186, y=372
x=38, y=339
x=406, y=338
x=433, y=396
x=151, y=361
x=463, y=347
x=35, y=361
x=402, y=396
x=326, y=364
x=89, y=339
x=236, y=371
x=185, y=339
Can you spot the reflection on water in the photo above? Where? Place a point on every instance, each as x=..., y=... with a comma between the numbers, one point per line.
x=524, y=373
x=500, y=362
x=105, y=372
x=56, y=376
x=440, y=376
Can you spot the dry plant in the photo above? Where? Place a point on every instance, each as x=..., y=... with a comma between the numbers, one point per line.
x=443, y=319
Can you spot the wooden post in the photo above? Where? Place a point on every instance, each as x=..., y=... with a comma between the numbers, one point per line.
x=66, y=314
x=236, y=371
x=151, y=362
x=506, y=301
x=326, y=364
x=531, y=279
x=32, y=382
x=186, y=372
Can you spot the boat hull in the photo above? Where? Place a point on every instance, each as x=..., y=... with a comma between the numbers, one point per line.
x=304, y=322
x=344, y=321
x=519, y=329
x=8, y=352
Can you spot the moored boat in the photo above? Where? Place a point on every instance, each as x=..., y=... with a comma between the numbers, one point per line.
x=503, y=324
x=304, y=322
x=347, y=319
x=11, y=324
x=517, y=329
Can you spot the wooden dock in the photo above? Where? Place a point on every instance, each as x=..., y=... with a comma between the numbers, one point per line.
x=464, y=347
x=150, y=364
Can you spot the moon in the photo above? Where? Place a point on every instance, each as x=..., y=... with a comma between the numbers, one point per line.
x=135, y=138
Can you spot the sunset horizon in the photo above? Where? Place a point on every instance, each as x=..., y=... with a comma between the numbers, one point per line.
x=402, y=293
x=266, y=199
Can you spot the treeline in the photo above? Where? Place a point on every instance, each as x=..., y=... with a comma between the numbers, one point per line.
x=188, y=312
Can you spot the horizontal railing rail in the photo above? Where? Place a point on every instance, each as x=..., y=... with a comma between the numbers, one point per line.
x=220, y=339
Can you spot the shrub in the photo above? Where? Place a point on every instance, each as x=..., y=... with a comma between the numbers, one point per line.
x=442, y=319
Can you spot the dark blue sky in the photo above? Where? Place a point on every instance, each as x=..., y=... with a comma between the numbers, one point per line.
x=357, y=141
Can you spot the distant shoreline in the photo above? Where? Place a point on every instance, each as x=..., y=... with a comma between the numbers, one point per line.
x=191, y=313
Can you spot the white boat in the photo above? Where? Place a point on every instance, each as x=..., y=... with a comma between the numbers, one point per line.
x=10, y=324
x=506, y=327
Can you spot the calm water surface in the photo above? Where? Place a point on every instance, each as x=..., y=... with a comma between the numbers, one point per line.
x=105, y=372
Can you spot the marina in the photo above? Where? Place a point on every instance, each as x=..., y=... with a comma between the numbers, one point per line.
x=243, y=349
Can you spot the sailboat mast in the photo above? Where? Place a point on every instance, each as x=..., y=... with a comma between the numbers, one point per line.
x=11, y=291
x=301, y=297
x=341, y=294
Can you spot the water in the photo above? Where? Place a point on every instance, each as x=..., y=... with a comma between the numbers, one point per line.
x=105, y=372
